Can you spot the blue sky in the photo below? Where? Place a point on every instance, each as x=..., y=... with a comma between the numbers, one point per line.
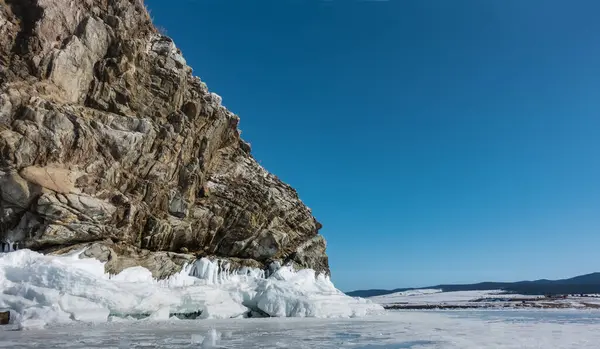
x=437, y=141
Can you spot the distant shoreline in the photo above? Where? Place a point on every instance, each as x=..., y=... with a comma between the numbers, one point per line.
x=580, y=285
x=436, y=300
x=469, y=306
x=514, y=303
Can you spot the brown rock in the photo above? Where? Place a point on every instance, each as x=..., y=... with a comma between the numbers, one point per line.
x=56, y=179
x=4, y=317
x=105, y=135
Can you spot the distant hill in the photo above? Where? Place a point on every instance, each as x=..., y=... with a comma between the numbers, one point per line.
x=586, y=284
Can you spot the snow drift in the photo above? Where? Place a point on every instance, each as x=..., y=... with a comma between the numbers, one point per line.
x=40, y=289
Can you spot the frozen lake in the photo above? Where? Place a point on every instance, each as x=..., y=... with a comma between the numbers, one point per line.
x=394, y=330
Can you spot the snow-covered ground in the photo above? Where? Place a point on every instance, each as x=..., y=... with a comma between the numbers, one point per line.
x=40, y=290
x=67, y=302
x=555, y=329
x=494, y=298
x=434, y=296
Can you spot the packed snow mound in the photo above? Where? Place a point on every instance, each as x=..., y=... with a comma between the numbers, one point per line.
x=40, y=289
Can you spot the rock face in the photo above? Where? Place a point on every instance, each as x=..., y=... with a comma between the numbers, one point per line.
x=4, y=317
x=107, y=140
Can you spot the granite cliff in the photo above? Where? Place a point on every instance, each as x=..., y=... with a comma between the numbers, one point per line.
x=108, y=142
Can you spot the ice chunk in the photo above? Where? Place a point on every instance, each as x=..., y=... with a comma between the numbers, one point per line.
x=206, y=270
x=134, y=274
x=38, y=316
x=160, y=314
x=82, y=309
x=41, y=289
x=302, y=294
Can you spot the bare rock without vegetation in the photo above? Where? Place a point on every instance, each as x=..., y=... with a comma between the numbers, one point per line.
x=108, y=142
x=4, y=317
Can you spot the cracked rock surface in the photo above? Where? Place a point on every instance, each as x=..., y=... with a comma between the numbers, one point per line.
x=107, y=141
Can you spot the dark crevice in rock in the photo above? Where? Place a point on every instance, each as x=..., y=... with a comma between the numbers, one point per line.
x=28, y=14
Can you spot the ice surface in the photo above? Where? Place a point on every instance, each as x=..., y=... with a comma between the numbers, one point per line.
x=212, y=339
x=491, y=329
x=40, y=289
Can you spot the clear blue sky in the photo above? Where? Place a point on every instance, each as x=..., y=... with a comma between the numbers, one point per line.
x=437, y=141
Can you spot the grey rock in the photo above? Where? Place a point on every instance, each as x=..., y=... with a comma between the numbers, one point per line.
x=15, y=190
x=108, y=141
x=72, y=66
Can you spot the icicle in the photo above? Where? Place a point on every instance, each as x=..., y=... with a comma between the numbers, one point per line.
x=8, y=246
x=206, y=270
x=224, y=274
x=220, y=271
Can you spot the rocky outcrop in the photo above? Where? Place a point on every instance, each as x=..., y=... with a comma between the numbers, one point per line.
x=4, y=317
x=108, y=141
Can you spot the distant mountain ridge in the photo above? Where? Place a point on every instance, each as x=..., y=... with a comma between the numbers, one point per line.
x=582, y=284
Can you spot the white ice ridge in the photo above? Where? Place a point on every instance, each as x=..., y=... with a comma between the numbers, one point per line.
x=40, y=289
